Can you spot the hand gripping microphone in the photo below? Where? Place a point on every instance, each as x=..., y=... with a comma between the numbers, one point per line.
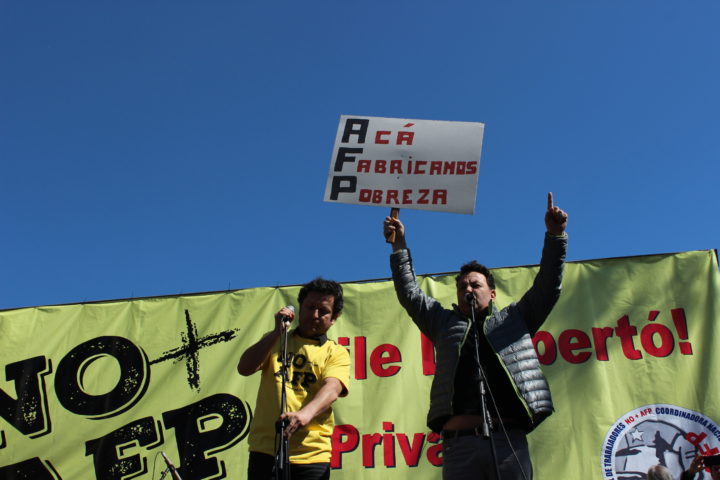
x=470, y=298
x=171, y=467
x=285, y=319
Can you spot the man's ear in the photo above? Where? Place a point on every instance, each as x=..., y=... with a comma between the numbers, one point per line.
x=492, y=294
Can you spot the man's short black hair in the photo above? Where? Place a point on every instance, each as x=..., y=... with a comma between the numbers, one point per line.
x=476, y=267
x=326, y=287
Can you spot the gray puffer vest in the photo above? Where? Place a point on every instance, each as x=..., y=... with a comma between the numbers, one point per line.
x=509, y=331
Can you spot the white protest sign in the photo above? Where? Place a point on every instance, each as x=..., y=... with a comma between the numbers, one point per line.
x=405, y=163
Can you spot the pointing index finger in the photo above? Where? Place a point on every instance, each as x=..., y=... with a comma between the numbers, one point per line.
x=550, y=201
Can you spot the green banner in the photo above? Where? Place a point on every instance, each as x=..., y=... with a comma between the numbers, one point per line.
x=97, y=391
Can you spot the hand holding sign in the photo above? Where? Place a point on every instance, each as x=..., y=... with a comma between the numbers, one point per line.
x=394, y=232
x=555, y=218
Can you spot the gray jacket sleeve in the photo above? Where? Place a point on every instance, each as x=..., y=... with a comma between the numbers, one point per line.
x=424, y=310
x=538, y=302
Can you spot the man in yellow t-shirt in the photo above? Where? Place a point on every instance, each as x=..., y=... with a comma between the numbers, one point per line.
x=318, y=373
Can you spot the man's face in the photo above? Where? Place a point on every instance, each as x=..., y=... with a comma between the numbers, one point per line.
x=316, y=314
x=475, y=283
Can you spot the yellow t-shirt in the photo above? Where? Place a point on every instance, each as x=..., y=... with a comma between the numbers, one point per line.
x=312, y=361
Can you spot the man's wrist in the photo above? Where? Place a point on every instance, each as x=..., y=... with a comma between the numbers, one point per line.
x=400, y=245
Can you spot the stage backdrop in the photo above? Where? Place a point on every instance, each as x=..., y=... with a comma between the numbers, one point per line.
x=97, y=391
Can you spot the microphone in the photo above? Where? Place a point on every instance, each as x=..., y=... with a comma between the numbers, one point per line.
x=470, y=298
x=170, y=466
x=285, y=319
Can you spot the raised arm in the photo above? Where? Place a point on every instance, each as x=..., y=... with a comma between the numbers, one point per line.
x=253, y=358
x=538, y=302
x=422, y=308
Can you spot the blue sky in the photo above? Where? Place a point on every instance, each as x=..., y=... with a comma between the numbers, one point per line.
x=153, y=148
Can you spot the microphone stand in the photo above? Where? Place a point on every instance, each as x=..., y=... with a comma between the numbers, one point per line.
x=165, y=472
x=482, y=388
x=282, y=457
x=170, y=468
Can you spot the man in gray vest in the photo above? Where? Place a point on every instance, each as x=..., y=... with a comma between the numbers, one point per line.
x=518, y=396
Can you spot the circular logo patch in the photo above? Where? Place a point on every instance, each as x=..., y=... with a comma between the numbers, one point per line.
x=657, y=434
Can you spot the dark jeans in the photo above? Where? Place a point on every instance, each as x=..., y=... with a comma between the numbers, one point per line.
x=260, y=467
x=470, y=457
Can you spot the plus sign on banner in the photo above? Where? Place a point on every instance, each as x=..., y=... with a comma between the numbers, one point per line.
x=405, y=163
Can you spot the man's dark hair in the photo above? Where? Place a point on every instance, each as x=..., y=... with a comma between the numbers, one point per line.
x=476, y=267
x=326, y=287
